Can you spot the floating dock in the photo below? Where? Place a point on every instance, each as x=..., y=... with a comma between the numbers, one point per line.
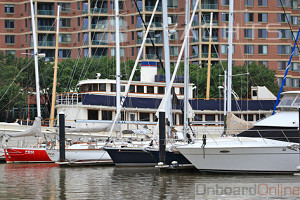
x=85, y=163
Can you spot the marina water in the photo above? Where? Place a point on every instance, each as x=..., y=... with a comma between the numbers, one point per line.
x=48, y=181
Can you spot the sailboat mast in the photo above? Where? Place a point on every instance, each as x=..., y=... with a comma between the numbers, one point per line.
x=186, y=69
x=118, y=70
x=209, y=58
x=230, y=34
x=167, y=58
x=55, y=69
x=37, y=81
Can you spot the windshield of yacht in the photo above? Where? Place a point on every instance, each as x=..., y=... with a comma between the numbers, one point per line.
x=290, y=100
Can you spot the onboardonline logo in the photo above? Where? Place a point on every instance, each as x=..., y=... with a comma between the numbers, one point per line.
x=277, y=190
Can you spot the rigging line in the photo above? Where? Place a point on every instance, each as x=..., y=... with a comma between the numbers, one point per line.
x=16, y=78
x=287, y=19
x=74, y=69
x=155, y=47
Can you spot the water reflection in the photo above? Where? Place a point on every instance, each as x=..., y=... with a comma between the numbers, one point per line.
x=48, y=181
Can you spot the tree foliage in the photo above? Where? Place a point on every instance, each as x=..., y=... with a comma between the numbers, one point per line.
x=18, y=77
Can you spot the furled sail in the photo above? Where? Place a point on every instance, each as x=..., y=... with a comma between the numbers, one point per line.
x=98, y=128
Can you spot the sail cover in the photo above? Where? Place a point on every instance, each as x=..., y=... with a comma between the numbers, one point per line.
x=236, y=125
x=34, y=130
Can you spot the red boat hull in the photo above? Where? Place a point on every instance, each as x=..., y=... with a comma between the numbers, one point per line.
x=26, y=155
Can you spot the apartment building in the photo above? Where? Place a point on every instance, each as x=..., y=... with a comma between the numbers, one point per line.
x=261, y=31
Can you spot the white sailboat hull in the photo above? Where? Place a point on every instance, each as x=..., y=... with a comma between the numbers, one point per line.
x=252, y=155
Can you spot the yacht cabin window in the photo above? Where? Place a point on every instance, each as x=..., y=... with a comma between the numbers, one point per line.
x=102, y=87
x=140, y=89
x=297, y=102
x=106, y=115
x=93, y=114
x=181, y=91
x=85, y=88
x=161, y=90
x=132, y=89
x=95, y=87
x=113, y=87
x=287, y=100
x=150, y=89
x=145, y=117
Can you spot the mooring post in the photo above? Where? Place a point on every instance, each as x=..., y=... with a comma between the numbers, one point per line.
x=162, y=137
x=62, y=138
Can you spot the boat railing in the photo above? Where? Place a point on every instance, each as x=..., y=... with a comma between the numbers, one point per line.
x=68, y=98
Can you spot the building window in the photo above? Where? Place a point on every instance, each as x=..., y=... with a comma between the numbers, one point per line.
x=248, y=2
x=64, y=53
x=225, y=2
x=25, y=7
x=262, y=49
x=283, y=18
x=65, y=23
x=9, y=23
x=249, y=49
x=281, y=65
x=78, y=5
x=262, y=33
x=121, y=5
x=283, y=34
x=285, y=3
x=64, y=38
x=295, y=20
x=284, y=49
x=224, y=17
x=248, y=17
x=78, y=37
x=26, y=25
x=262, y=17
x=294, y=4
x=263, y=3
x=295, y=67
x=9, y=39
x=132, y=51
x=224, y=49
x=9, y=8
x=132, y=35
x=12, y=52
x=265, y=63
x=248, y=33
x=78, y=21
x=172, y=3
x=26, y=38
x=295, y=82
x=224, y=33
x=173, y=51
x=132, y=20
x=65, y=7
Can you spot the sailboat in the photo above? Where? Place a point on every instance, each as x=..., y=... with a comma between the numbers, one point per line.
x=271, y=146
x=149, y=155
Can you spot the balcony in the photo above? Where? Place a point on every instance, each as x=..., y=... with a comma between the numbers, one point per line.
x=195, y=23
x=154, y=25
x=45, y=12
x=86, y=42
x=47, y=43
x=99, y=26
x=99, y=10
x=209, y=6
x=85, y=11
x=85, y=27
x=45, y=28
x=213, y=38
x=207, y=23
x=99, y=42
x=151, y=8
x=153, y=56
x=50, y=59
x=155, y=40
x=213, y=55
